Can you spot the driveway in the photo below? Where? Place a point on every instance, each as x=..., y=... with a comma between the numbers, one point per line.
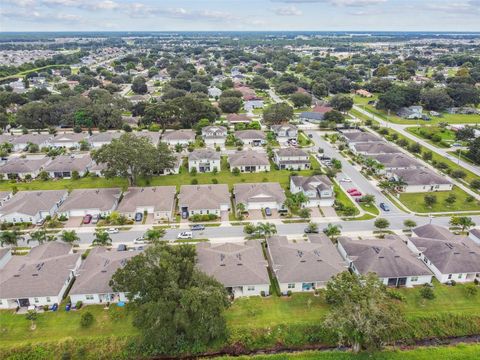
x=74, y=221
x=328, y=211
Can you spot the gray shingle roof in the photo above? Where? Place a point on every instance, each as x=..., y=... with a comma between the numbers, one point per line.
x=204, y=154
x=360, y=136
x=375, y=148
x=312, y=182
x=162, y=198
x=233, y=264
x=387, y=258
x=37, y=139
x=248, y=158
x=96, y=271
x=69, y=137
x=250, y=134
x=184, y=134
x=422, y=176
x=316, y=260
x=258, y=192
x=197, y=197
x=69, y=163
x=106, y=136
x=23, y=165
x=42, y=272
x=396, y=160
x=433, y=232
x=102, y=199
x=290, y=151
x=32, y=202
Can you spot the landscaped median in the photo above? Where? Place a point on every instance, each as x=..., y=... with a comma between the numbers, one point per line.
x=253, y=323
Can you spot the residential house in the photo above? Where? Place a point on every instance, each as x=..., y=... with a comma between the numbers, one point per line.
x=373, y=148
x=240, y=267
x=291, y=158
x=103, y=138
x=5, y=196
x=176, y=166
x=152, y=136
x=257, y=196
x=158, y=201
x=412, y=113
x=39, y=278
x=214, y=135
x=252, y=104
x=204, y=199
x=21, y=142
x=356, y=136
x=389, y=258
x=32, y=206
x=448, y=256
x=285, y=133
x=23, y=168
x=317, y=114
x=420, y=180
x=238, y=119
x=83, y=202
x=317, y=188
x=303, y=265
x=251, y=137
x=204, y=160
x=214, y=92
x=68, y=140
x=363, y=93
x=64, y=166
x=249, y=161
x=398, y=161
x=92, y=281
x=179, y=137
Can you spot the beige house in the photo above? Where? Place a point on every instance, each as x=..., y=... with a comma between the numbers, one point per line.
x=158, y=201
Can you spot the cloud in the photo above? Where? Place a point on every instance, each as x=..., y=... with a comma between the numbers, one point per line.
x=353, y=3
x=38, y=16
x=291, y=10
x=456, y=7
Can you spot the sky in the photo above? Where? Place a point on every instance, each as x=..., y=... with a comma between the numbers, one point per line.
x=239, y=15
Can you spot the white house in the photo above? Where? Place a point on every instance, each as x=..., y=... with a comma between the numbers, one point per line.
x=94, y=274
x=23, y=168
x=389, y=258
x=20, y=143
x=214, y=135
x=291, y=158
x=68, y=140
x=303, y=265
x=63, y=166
x=251, y=137
x=39, y=278
x=317, y=188
x=83, y=202
x=285, y=132
x=97, y=140
x=249, y=161
x=240, y=267
x=204, y=160
x=179, y=137
x=448, y=256
x=421, y=180
x=158, y=201
x=259, y=196
x=32, y=206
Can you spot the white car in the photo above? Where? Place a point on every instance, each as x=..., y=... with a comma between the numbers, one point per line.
x=112, y=231
x=139, y=240
x=346, y=179
x=185, y=235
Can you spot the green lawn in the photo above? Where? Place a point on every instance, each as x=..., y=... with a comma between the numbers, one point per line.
x=457, y=352
x=23, y=73
x=415, y=202
x=447, y=118
x=447, y=137
x=342, y=198
x=184, y=178
x=372, y=209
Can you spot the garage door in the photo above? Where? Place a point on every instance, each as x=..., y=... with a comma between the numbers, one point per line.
x=260, y=205
x=83, y=212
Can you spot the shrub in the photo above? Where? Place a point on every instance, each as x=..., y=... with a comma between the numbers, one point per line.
x=395, y=294
x=289, y=293
x=214, y=181
x=262, y=293
x=194, y=182
x=426, y=292
x=471, y=289
x=236, y=171
x=45, y=308
x=79, y=304
x=87, y=319
x=453, y=282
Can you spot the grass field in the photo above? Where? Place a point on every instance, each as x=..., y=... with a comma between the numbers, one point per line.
x=415, y=202
x=248, y=313
x=447, y=118
x=184, y=178
x=447, y=137
x=458, y=352
x=23, y=73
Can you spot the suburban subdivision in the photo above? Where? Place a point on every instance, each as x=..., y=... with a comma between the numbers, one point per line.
x=206, y=194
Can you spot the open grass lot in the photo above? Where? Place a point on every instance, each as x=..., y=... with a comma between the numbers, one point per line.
x=447, y=118
x=249, y=313
x=184, y=178
x=447, y=137
x=414, y=201
x=458, y=352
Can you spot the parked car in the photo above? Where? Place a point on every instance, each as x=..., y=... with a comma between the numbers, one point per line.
x=139, y=240
x=95, y=219
x=198, y=227
x=185, y=235
x=355, y=193
x=112, y=231
x=384, y=207
x=352, y=190
x=346, y=179
x=268, y=211
x=138, y=216
x=122, y=247
x=310, y=136
x=310, y=230
x=87, y=218
x=184, y=215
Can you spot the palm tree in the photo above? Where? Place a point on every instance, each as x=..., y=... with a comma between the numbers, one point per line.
x=69, y=236
x=240, y=208
x=39, y=236
x=102, y=238
x=266, y=229
x=152, y=235
x=464, y=222
x=332, y=231
x=10, y=238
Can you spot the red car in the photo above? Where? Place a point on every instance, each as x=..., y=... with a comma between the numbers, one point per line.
x=356, y=193
x=352, y=190
x=87, y=218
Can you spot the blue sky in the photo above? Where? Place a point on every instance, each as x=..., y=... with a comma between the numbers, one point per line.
x=168, y=15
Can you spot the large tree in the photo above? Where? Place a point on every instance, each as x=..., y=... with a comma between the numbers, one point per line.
x=139, y=85
x=176, y=307
x=132, y=156
x=474, y=150
x=362, y=314
x=277, y=113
